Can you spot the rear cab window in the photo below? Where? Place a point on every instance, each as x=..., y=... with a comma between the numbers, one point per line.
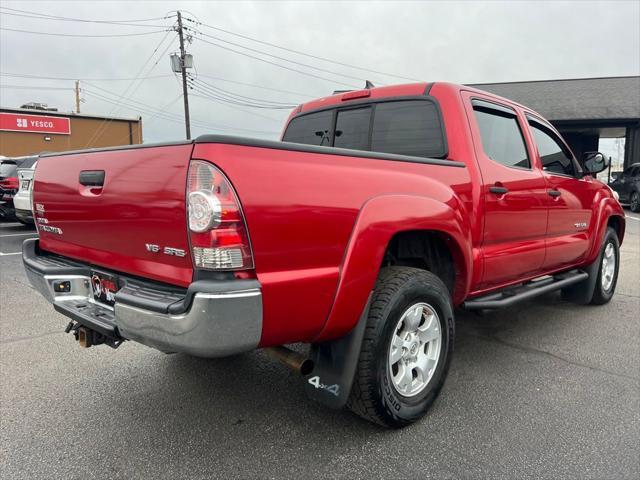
x=411, y=127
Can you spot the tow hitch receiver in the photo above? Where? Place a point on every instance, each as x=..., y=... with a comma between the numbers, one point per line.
x=88, y=338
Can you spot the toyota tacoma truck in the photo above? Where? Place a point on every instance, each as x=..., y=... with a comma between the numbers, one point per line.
x=379, y=213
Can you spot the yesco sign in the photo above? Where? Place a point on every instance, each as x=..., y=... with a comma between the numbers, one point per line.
x=17, y=122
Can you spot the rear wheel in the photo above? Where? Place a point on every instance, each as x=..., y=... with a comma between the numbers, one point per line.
x=406, y=350
x=634, y=203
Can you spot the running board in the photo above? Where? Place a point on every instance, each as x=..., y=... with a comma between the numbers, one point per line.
x=512, y=295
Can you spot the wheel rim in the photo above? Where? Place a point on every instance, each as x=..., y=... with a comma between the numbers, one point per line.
x=415, y=349
x=634, y=201
x=608, y=266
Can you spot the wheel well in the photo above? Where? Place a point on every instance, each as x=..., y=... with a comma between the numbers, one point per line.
x=426, y=249
x=617, y=224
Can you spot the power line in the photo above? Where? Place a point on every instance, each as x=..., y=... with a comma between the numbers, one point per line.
x=25, y=87
x=116, y=79
x=102, y=126
x=168, y=116
x=41, y=77
x=253, y=85
x=279, y=65
x=242, y=97
x=298, y=52
x=63, y=19
x=136, y=104
x=81, y=35
x=306, y=65
x=218, y=94
x=57, y=17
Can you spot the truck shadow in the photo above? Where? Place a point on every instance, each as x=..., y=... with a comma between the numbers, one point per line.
x=253, y=390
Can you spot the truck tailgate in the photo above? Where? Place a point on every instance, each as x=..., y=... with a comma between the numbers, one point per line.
x=126, y=224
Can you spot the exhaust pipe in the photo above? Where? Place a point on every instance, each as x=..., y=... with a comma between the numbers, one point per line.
x=291, y=359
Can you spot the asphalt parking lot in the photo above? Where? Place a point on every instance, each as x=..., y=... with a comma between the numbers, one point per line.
x=544, y=390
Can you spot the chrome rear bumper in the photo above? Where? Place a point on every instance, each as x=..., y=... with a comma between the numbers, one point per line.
x=209, y=319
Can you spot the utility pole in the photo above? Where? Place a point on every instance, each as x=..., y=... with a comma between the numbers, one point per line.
x=185, y=94
x=77, y=96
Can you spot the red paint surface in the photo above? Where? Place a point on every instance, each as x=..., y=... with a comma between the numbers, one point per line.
x=319, y=224
x=19, y=122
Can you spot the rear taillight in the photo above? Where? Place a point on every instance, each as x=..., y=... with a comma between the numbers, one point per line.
x=217, y=230
x=9, y=183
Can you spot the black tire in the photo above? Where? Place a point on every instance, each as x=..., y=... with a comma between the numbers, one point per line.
x=634, y=202
x=600, y=294
x=373, y=395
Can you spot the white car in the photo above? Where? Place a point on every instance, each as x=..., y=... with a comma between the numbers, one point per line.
x=22, y=199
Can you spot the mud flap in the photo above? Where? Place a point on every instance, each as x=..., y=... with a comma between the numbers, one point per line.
x=335, y=365
x=582, y=293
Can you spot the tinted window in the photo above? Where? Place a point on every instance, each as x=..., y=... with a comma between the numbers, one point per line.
x=554, y=157
x=352, y=129
x=501, y=137
x=311, y=129
x=410, y=127
x=8, y=169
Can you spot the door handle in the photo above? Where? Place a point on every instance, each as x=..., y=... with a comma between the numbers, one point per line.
x=498, y=190
x=92, y=178
x=554, y=193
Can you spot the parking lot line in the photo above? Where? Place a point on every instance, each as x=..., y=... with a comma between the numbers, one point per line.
x=633, y=218
x=12, y=224
x=18, y=234
x=2, y=254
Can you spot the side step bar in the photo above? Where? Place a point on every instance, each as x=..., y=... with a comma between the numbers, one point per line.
x=512, y=295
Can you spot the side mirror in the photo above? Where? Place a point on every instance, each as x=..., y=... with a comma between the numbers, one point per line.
x=595, y=162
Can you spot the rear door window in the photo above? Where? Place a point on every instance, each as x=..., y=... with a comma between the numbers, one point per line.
x=311, y=129
x=352, y=129
x=408, y=127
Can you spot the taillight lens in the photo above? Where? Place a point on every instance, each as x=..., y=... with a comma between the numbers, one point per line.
x=217, y=230
x=10, y=183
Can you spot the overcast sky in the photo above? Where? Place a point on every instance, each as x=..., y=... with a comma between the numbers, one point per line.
x=462, y=42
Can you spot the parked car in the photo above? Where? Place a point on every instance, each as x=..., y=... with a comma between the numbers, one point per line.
x=381, y=211
x=8, y=186
x=22, y=199
x=627, y=184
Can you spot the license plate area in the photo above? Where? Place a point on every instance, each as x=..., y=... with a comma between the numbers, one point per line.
x=24, y=185
x=104, y=287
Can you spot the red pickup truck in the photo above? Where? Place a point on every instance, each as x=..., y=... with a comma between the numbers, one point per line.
x=379, y=212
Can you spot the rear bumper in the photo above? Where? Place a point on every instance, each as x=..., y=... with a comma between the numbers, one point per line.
x=24, y=215
x=208, y=319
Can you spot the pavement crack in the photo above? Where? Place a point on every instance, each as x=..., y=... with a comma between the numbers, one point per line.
x=552, y=355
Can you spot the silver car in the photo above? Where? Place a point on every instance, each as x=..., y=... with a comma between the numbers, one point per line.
x=22, y=199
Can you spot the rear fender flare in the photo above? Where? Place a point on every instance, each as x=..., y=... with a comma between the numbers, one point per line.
x=378, y=221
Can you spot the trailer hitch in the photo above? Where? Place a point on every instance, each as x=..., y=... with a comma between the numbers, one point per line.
x=89, y=338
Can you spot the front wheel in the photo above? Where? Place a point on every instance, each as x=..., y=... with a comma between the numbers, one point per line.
x=608, y=269
x=406, y=350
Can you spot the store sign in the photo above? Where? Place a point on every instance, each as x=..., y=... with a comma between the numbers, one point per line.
x=18, y=122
